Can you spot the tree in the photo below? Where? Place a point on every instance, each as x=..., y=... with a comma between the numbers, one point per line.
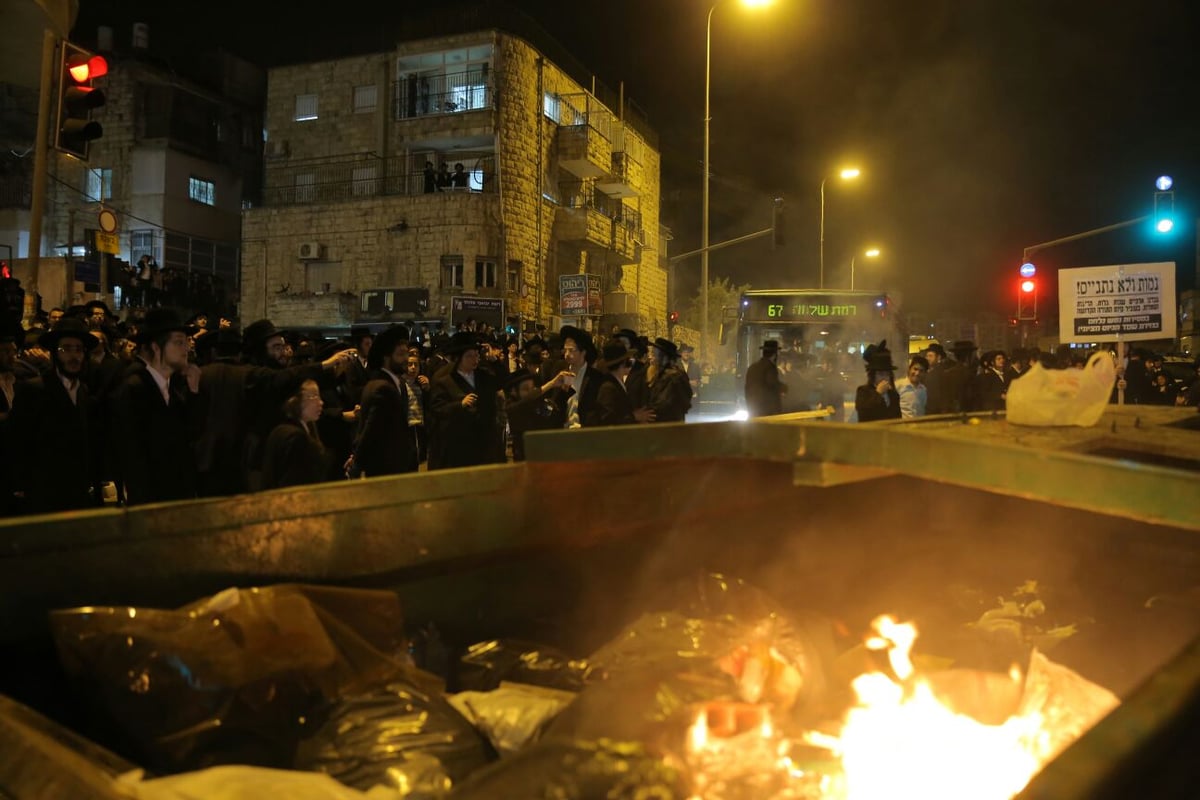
x=723, y=299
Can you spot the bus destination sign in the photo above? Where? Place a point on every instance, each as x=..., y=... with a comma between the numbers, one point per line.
x=808, y=307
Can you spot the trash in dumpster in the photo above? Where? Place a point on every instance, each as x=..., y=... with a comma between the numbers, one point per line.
x=486, y=664
x=397, y=736
x=578, y=770
x=239, y=677
x=513, y=715
x=243, y=783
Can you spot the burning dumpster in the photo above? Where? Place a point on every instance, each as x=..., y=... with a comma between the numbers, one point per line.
x=997, y=541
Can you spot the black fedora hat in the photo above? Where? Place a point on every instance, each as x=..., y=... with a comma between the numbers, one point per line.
x=769, y=346
x=963, y=346
x=615, y=353
x=878, y=358
x=534, y=342
x=582, y=339
x=667, y=347
x=517, y=378
x=157, y=322
x=359, y=332
x=461, y=342
x=385, y=344
x=256, y=334
x=68, y=327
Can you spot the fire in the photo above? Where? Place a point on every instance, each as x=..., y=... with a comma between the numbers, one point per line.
x=900, y=740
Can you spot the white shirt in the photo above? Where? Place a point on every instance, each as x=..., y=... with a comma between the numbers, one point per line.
x=395, y=378
x=469, y=377
x=912, y=398
x=573, y=401
x=72, y=387
x=163, y=383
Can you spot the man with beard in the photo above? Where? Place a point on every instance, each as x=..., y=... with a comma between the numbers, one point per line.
x=579, y=351
x=49, y=428
x=764, y=391
x=613, y=405
x=154, y=434
x=384, y=444
x=268, y=385
x=463, y=405
x=528, y=407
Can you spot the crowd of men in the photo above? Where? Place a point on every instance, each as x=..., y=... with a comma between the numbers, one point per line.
x=936, y=382
x=161, y=409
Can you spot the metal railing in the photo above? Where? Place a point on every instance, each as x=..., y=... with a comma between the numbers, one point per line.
x=573, y=196
x=571, y=110
x=422, y=95
x=354, y=177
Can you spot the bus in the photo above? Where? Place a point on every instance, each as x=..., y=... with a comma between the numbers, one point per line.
x=814, y=324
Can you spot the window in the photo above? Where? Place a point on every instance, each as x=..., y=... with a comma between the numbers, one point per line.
x=306, y=107
x=202, y=191
x=306, y=187
x=364, y=99
x=141, y=243
x=363, y=181
x=550, y=105
x=99, y=184
x=513, y=277
x=452, y=272
x=485, y=273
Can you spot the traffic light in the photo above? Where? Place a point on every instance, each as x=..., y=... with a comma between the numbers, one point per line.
x=1027, y=298
x=77, y=98
x=673, y=316
x=1164, y=211
x=777, y=223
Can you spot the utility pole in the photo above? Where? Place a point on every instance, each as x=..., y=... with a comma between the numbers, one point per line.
x=41, y=153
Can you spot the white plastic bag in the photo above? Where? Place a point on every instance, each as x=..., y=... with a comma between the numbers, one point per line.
x=1062, y=396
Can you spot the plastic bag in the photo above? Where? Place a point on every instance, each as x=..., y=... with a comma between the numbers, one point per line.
x=398, y=736
x=242, y=783
x=513, y=715
x=239, y=677
x=572, y=770
x=1046, y=397
x=486, y=664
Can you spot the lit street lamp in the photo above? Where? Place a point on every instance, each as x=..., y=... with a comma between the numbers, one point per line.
x=870, y=253
x=847, y=174
x=704, y=199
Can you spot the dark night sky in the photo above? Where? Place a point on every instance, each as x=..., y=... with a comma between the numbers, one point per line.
x=981, y=126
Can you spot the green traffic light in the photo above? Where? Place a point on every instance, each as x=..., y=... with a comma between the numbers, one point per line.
x=1165, y=225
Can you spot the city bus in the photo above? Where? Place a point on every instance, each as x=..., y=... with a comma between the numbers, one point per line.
x=813, y=324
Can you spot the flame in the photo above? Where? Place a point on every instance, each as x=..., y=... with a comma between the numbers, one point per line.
x=900, y=740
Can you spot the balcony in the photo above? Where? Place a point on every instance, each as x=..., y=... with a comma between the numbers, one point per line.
x=454, y=93
x=584, y=134
x=357, y=177
x=595, y=222
x=623, y=177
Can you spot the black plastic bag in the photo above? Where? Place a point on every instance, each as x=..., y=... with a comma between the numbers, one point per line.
x=486, y=664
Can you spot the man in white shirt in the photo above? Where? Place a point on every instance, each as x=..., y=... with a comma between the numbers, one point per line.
x=912, y=390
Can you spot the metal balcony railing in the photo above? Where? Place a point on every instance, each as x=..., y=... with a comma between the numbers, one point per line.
x=421, y=95
x=354, y=177
x=572, y=110
x=622, y=215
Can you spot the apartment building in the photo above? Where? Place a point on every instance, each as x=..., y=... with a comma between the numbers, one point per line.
x=463, y=176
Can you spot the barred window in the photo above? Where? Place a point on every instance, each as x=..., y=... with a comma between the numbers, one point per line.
x=364, y=99
x=202, y=191
x=306, y=107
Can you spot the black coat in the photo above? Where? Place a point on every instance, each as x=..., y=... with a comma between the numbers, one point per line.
x=538, y=412
x=990, y=391
x=588, y=391
x=464, y=437
x=293, y=457
x=384, y=444
x=764, y=391
x=51, y=445
x=267, y=388
x=670, y=396
x=870, y=405
x=613, y=404
x=153, y=440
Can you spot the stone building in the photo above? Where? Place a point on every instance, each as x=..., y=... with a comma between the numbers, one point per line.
x=548, y=188
x=170, y=164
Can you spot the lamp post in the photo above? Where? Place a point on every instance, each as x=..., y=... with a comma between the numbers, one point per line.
x=847, y=174
x=704, y=198
x=871, y=253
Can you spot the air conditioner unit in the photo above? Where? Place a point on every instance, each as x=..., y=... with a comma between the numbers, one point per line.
x=310, y=251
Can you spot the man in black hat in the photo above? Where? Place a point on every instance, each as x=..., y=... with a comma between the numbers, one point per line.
x=463, y=404
x=669, y=393
x=355, y=377
x=957, y=379
x=990, y=389
x=688, y=364
x=937, y=401
x=268, y=385
x=49, y=427
x=384, y=445
x=764, y=390
x=613, y=404
x=579, y=351
x=530, y=407
x=153, y=432
x=878, y=399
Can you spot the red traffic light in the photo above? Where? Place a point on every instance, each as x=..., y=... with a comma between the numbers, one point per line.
x=5, y=270
x=1028, y=286
x=673, y=316
x=84, y=68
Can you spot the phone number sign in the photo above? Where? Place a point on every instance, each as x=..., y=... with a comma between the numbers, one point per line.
x=1128, y=302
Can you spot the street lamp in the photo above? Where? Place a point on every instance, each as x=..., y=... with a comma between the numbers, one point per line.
x=847, y=174
x=704, y=199
x=870, y=253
